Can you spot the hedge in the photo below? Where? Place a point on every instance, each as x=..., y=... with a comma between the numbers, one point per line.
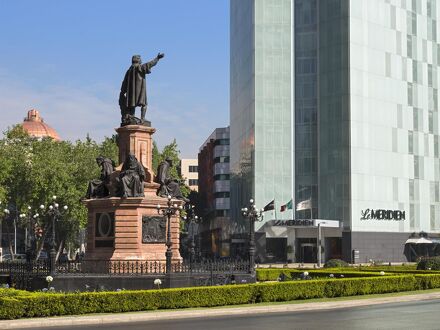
x=38, y=304
x=332, y=263
x=429, y=263
x=272, y=274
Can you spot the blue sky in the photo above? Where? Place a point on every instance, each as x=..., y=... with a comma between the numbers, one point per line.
x=68, y=58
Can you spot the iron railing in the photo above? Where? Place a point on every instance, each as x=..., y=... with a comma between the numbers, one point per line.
x=124, y=267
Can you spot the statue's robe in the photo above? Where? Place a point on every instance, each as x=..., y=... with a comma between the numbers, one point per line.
x=168, y=187
x=134, y=85
x=98, y=187
x=132, y=178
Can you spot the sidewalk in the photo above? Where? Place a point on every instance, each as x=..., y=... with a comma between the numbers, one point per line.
x=208, y=312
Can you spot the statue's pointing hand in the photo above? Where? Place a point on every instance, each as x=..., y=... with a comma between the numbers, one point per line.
x=160, y=55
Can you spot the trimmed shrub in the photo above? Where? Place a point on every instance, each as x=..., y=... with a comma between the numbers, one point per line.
x=431, y=263
x=427, y=281
x=11, y=308
x=288, y=291
x=334, y=263
x=39, y=304
x=272, y=274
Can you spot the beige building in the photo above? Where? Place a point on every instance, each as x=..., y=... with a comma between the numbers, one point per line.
x=189, y=170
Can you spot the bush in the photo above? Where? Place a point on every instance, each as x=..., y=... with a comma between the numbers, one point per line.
x=333, y=263
x=288, y=291
x=431, y=263
x=427, y=281
x=42, y=304
x=272, y=274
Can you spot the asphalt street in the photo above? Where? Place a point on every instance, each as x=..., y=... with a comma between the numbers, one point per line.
x=408, y=315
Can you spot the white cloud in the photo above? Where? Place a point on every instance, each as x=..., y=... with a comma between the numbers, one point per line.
x=76, y=111
x=72, y=112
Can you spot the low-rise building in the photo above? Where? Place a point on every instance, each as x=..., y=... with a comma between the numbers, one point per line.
x=189, y=172
x=214, y=192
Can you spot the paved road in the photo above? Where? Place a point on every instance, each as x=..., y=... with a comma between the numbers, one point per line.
x=409, y=315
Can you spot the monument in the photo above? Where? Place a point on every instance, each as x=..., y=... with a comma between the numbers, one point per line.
x=123, y=218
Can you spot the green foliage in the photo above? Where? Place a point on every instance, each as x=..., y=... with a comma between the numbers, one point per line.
x=170, y=151
x=156, y=157
x=272, y=274
x=287, y=291
x=332, y=263
x=109, y=148
x=42, y=304
x=34, y=170
x=431, y=263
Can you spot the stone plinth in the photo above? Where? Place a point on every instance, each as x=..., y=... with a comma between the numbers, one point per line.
x=136, y=139
x=129, y=229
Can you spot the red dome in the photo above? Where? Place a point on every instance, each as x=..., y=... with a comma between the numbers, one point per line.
x=35, y=126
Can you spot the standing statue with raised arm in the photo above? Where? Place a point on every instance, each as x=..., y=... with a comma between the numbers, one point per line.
x=134, y=91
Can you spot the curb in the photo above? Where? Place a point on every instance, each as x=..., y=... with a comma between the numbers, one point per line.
x=208, y=312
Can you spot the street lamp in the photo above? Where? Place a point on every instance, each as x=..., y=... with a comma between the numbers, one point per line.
x=30, y=239
x=192, y=221
x=252, y=214
x=169, y=211
x=54, y=214
x=7, y=214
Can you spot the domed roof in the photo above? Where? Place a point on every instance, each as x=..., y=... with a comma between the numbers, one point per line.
x=35, y=126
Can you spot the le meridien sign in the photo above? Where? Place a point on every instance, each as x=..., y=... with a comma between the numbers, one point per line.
x=371, y=214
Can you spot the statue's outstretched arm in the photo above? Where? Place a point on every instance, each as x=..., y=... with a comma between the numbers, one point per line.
x=147, y=66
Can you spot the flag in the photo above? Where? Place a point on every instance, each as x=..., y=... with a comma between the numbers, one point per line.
x=287, y=206
x=270, y=206
x=304, y=205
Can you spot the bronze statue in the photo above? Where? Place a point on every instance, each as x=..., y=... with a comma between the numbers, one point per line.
x=131, y=178
x=168, y=186
x=98, y=188
x=134, y=92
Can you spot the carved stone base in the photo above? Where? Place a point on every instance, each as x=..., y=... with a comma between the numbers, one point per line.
x=130, y=229
x=136, y=139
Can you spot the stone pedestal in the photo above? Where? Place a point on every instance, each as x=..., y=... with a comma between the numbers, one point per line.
x=136, y=139
x=131, y=228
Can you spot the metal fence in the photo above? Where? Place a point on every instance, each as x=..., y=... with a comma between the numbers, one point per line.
x=123, y=267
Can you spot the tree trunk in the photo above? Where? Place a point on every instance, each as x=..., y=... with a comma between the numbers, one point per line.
x=60, y=249
x=40, y=244
x=11, y=250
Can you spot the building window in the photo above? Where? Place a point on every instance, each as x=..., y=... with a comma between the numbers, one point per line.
x=193, y=182
x=222, y=213
x=223, y=194
x=221, y=177
x=221, y=159
x=221, y=142
x=193, y=169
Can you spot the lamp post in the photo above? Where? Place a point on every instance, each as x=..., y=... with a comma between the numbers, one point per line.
x=30, y=233
x=192, y=221
x=169, y=211
x=318, y=244
x=7, y=213
x=54, y=214
x=252, y=214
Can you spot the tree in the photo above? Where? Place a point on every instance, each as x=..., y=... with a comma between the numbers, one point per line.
x=33, y=170
x=171, y=151
x=156, y=157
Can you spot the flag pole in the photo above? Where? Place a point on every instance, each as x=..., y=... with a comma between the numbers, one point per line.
x=293, y=209
x=275, y=209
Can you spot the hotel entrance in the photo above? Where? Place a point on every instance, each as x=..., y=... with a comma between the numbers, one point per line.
x=306, y=250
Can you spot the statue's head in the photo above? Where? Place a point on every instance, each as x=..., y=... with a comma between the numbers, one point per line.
x=131, y=156
x=169, y=161
x=99, y=160
x=136, y=59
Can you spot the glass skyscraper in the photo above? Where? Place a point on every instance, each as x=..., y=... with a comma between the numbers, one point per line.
x=334, y=104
